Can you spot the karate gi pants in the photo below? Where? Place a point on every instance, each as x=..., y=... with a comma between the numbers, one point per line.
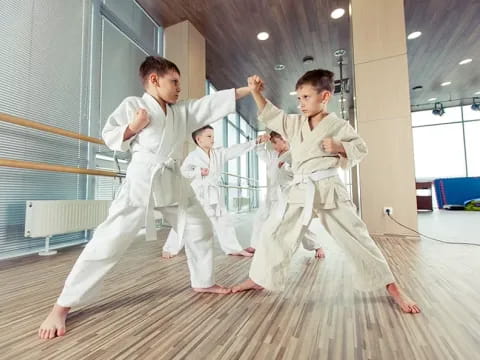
x=272, y=258
x=310, y=240
x=113, y=237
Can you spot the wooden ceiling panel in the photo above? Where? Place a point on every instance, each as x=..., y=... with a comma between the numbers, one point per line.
x=450, y=33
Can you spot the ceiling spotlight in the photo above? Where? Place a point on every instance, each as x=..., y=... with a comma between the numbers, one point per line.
x=438, y=110
x=446, y=83
x=476, y=105
x=307, y=60
x=466, y=61
x=293, y=93
x=477, y=93
x=414, y=35
x=432, y=99
x=279, y=67
x=263, y=35
x=337, y=13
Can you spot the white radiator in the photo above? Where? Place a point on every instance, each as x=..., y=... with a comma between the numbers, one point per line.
x=52, y=217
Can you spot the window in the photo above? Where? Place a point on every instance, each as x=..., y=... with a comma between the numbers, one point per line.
x=469, y=114
x=439, y=151
x=242, y=171
x=472, y=145
x=68, y=65
x=446, y=146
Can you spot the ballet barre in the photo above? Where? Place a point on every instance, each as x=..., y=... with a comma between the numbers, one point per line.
x=240, y=177
x=22, y=164
x=252, y=190
x=47, y=128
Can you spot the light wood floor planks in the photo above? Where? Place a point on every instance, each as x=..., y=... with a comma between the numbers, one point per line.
x=149, y=312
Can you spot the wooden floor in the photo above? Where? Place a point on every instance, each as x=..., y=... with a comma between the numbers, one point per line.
x=149, y=312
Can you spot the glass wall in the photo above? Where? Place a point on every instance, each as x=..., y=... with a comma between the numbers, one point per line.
x=446, y=146
x=103, y=43
x=240, y=174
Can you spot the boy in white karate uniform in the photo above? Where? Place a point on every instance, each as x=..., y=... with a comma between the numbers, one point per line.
x=319, y=142
x=203, y=167
x=154, y=128
x=279, y=176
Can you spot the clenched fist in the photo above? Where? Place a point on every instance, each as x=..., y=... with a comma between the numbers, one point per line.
x=331, y=146
x=255, y=83
x=140, y=122
x=263, y=138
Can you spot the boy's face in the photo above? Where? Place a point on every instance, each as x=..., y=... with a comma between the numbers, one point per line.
x=167, y=87
x=279, y=145
x=310, y=101
x=206, y=139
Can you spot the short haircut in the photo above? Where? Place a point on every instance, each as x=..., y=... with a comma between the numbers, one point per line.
x=156, y=64
x=320, y=79
x=198, y=132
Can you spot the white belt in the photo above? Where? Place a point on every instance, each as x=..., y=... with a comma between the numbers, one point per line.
x=153, y=159
x=161, y=163
x=309, y=180
x=205, y=188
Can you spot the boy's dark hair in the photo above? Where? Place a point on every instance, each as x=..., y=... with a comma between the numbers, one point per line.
x=320, y=79
x=156, y=64
x=275, y=135
x=198, y=132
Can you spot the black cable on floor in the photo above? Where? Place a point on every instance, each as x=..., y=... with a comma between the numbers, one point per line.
x=429, y=237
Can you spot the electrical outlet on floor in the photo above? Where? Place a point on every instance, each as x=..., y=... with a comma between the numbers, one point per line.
x=388, y=210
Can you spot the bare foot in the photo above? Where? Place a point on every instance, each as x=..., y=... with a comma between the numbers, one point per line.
x=319, y=253
x=242, y=253
x=54, y=324
x=216, y=289
x=248, y=284
x=406, y=304
x=250, y=250
x=168, y=255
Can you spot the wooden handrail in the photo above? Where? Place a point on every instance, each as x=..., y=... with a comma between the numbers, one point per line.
x=51, y=129
x=57, y=168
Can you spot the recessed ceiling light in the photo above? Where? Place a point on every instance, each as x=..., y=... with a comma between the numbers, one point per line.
x=432, y=99
x=279, y=67
x=263, y=35
x=307, y=60
x=293, y=93
x=342, y=100
x=337, y=13
x=414, y=35
x=477, y=93
x=466, y=61
x=446, y=83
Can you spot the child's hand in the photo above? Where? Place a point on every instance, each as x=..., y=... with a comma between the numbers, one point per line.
x=255, y=83
x=204, y=171
x=140, y=122
x=263, y=138
x=331, y=146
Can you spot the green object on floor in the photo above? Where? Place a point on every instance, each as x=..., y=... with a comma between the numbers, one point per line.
x=472, y=205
